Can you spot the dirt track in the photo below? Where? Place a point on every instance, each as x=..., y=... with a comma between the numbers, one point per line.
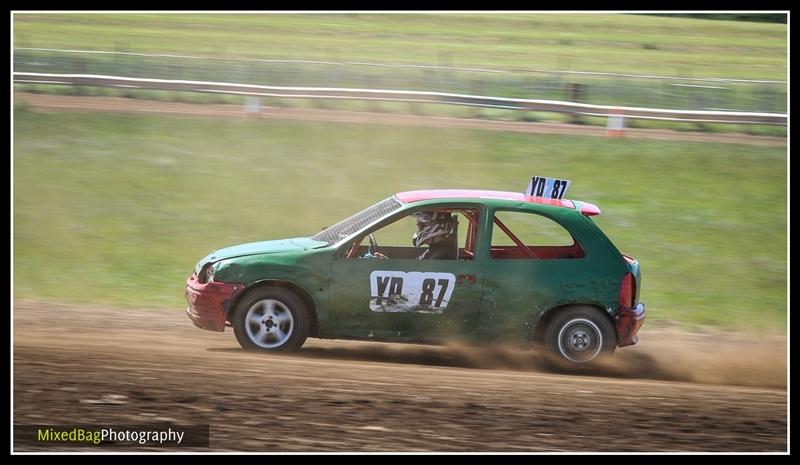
x=38, y=102
x=91, y=365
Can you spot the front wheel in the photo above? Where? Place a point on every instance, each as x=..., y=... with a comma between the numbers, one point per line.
x=580, y=335
x=271, y=319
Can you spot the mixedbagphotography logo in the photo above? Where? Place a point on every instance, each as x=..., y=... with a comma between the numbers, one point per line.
x=99, y=436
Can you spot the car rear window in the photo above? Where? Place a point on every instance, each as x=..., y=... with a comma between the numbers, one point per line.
x=346, y=227
x=531, y=236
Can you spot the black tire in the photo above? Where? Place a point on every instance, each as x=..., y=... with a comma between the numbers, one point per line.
x=271, y=319
x=580, y=336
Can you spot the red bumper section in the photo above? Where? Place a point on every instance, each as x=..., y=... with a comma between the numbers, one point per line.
x=628, y=322
x=209, y=303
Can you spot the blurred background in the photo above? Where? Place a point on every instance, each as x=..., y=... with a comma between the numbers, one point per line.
x=115, y=208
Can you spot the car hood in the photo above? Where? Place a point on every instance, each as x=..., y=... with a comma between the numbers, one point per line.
x=257, y=248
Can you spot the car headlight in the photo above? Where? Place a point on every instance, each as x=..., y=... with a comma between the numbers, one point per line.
x=206, y=274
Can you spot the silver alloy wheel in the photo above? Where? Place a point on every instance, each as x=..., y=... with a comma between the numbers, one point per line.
x=269, y=323
x=580, y=340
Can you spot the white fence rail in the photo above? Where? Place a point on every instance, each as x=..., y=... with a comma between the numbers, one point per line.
x=403, y=96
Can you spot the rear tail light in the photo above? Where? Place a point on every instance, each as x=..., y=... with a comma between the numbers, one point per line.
x=627, y=291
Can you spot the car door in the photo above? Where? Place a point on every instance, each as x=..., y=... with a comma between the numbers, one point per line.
x=401, y=297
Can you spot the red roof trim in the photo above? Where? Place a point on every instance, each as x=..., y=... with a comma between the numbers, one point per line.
x=416, y=196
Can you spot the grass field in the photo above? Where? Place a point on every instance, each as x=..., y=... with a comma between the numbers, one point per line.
x=586, y=42
x=116, y=209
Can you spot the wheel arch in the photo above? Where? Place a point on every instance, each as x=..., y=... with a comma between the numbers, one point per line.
x=312, y=309
x=546, y=317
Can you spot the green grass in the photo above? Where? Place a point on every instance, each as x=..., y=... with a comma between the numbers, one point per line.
x=116, y=209
x=586, y=42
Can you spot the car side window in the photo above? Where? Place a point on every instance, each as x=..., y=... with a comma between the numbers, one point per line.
x=526, y=235
x=429, y=234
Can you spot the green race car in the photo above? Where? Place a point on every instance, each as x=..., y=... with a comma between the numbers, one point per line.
x=482, y=267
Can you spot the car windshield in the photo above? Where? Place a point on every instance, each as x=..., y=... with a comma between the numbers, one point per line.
x=344, y=228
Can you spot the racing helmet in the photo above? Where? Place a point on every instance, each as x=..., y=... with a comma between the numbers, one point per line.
x=433, y=228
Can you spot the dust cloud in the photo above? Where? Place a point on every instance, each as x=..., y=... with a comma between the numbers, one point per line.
x=667, y=355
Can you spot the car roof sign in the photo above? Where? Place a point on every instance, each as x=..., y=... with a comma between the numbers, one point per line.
x=549, y=188
x=434, y=194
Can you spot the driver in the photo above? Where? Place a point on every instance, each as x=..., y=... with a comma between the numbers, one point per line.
x=439, y=231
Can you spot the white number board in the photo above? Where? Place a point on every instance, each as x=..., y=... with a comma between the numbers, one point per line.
x=549, y=188
x=398, y=291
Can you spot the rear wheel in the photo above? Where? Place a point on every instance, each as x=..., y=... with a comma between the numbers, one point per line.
x=580, y=335
x=271, y=319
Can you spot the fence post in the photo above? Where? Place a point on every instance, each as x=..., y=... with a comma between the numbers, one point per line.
x=252, y=106
x=576, y=93
x=477, y=89
x=375, y=105
x=415, y=108
x=445, y=58
x=616, y=123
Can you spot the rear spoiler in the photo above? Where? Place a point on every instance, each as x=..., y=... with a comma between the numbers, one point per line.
x=586, y=208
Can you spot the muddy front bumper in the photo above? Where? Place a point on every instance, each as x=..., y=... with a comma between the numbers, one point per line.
x=628, y=323
x=209, y=303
